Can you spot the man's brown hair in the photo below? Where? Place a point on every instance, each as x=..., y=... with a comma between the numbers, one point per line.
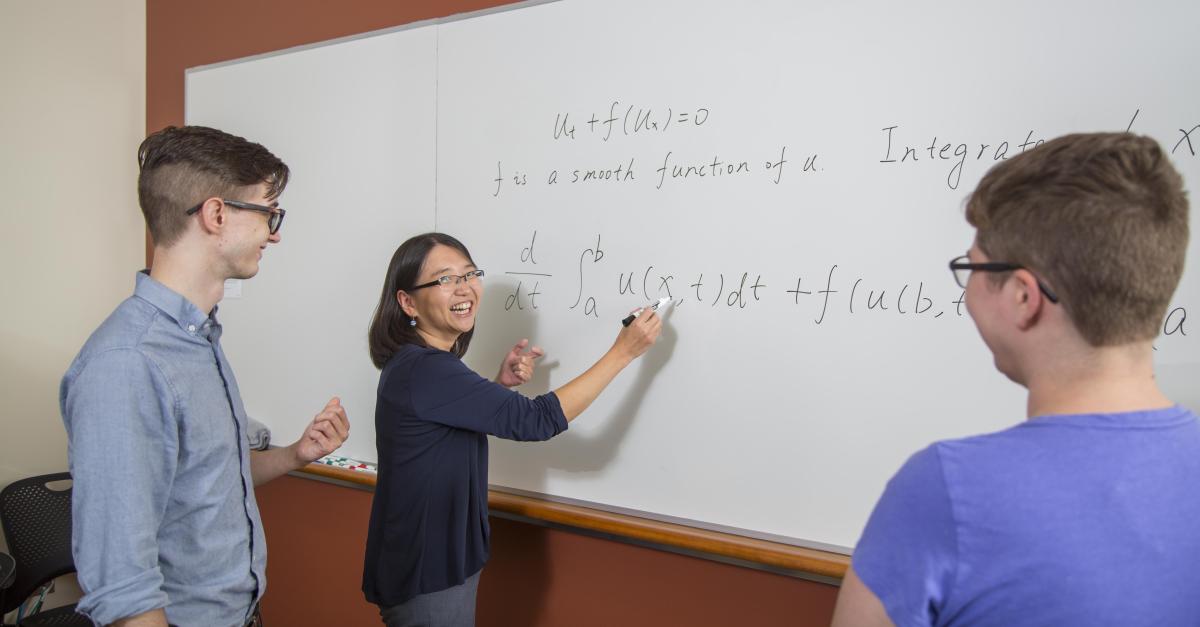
x=1102, y=218
x=182, y=166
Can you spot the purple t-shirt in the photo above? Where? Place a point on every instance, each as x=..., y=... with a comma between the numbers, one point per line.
x=1062, y=520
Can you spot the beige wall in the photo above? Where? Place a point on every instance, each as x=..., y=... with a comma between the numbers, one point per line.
x=72, y=111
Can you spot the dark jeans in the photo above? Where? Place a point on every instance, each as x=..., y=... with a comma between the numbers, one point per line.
x=453, y=607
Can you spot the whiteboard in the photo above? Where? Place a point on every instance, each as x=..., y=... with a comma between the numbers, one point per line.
x=815, y=340
x=354, y=122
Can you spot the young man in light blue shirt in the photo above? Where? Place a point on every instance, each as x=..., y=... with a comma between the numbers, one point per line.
x=166, y=528
x=1085, y=514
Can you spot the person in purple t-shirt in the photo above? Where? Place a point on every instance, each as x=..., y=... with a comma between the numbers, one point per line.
x=1087, y=512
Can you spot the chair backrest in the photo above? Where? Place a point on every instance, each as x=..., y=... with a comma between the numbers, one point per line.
x=37, y=527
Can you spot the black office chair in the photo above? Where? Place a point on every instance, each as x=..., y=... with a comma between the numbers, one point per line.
x=37, y=527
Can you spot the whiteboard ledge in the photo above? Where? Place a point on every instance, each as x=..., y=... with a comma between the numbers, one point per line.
x=780, y=555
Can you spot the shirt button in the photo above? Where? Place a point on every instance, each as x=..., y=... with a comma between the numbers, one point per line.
x=191, y=328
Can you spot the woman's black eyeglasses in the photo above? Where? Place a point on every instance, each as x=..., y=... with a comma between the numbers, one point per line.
x=274, y=214
x=451, y=280
x=961, y=268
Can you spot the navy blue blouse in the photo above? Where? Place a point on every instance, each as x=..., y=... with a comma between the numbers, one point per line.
x=429, y=527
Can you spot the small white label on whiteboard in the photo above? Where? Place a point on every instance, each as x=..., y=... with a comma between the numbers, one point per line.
x=233, y=288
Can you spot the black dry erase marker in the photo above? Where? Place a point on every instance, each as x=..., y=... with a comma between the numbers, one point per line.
x=653, y=307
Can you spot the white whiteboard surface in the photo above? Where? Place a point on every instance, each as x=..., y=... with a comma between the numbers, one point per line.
x=355, y=123
x=773, y=411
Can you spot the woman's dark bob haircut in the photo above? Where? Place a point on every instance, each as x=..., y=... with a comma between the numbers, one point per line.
x=390, y=328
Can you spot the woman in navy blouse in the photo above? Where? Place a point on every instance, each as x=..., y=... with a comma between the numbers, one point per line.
x=428, y=536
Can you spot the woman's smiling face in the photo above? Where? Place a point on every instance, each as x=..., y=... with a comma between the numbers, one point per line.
x=444, y=312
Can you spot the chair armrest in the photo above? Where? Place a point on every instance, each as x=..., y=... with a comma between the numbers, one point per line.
x=8, y=571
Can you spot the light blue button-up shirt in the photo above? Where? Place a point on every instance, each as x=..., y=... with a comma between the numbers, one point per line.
x=163, y=501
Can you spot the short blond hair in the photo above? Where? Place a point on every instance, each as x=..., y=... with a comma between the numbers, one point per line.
x=1102, y=218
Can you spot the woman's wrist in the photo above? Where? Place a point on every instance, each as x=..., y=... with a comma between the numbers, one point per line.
x=621, y=356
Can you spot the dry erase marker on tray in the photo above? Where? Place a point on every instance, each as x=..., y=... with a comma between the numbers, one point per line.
x=654, y=307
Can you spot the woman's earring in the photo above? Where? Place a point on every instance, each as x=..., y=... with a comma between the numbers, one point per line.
x=412, y=323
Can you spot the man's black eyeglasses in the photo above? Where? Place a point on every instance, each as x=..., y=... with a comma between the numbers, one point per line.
x=962, y=267
x=274, y=214
x=451, y=280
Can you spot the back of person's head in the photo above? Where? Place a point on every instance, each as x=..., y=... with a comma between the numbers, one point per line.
x=1102, y=218
x=183, y=166
x=390, y=327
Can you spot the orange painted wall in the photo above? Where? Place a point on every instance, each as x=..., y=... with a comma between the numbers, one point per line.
x=537, y=577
